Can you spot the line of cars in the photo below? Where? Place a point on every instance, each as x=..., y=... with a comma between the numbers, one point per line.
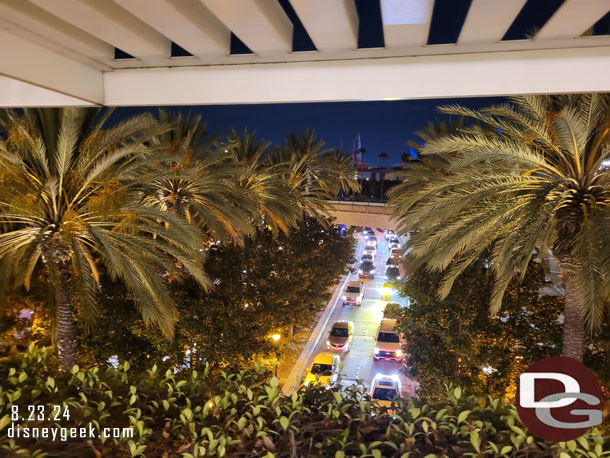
x=366, y=269
x=388, y=342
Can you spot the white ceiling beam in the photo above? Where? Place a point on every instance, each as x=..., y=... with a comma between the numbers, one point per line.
x=488, y=20
x=38, y=21
x=332, y=26
x=112, y=24
x=261, y=24
x=406, y=22
x=573, y=18
x=32, y=63
x=472, y=75
x=186, y=22
x=18, y=94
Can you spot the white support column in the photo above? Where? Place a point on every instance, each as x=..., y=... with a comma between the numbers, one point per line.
x=32, y=63
x=111, y=23
x=406, y=22
x=186, y=22
x=332, y=25
x=39, y=22
x=488, y=20
x=573, y=18
x=459, y=75
x=261, y=24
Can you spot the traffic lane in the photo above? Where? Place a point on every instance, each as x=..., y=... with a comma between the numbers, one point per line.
x=366, y=318
x=358, y=363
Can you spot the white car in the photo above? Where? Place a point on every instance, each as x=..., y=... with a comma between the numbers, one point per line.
x=353, y=293
x=384, y=388
x=389, y=234
x=324, y=369
x=388, y=343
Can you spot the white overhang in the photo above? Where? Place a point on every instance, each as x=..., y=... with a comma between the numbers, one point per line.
x=66, y=49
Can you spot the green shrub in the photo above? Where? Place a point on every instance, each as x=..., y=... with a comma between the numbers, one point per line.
x=198, y=413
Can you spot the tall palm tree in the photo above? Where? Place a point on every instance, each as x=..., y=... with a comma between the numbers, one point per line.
x=384, y=157
x=71, y=191
x=535, y=181
x=316, y=174
x=199, y=180
x=263, y=179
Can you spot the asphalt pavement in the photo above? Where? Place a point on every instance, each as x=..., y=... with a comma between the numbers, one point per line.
x=358, y=363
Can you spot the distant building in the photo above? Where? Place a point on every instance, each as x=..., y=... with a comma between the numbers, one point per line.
x=365, y=170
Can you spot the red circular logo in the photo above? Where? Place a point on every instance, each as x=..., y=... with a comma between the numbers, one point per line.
x=559, y=399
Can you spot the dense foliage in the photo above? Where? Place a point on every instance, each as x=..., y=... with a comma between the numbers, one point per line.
x=263, y=287
x=455, y=340
x=199, y=413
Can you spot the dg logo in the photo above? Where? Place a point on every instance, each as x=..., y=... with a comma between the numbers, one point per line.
x=559, y=399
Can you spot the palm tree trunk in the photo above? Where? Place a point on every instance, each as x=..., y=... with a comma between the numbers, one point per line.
x=573, y=322
x=65, y=333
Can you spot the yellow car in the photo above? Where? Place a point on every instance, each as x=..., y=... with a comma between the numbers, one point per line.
x=324, y=369
x=384, y=388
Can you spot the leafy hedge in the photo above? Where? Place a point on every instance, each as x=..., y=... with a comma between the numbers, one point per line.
x=198, y=413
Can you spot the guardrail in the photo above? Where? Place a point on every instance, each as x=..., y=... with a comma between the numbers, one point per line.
x=361, y=207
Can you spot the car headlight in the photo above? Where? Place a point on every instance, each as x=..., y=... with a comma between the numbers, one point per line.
x=398, y=352
x=344, y=297
x=306, y=383
x=398, y=278
x=359, y=271
x=376, y=350
x=328, y=343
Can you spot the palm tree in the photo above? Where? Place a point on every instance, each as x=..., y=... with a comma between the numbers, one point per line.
x=199, y=181
x=71, y=193
x=384, y=157
x=315, y=173
x=264, y=182
x=535, y=180
x=291, y=180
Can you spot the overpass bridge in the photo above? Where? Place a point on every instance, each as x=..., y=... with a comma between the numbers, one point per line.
x=362, y=214
x=374, y=214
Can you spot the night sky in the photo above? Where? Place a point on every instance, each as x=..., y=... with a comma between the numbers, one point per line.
x=384, y=126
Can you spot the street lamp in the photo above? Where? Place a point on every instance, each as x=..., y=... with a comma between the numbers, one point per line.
x=276, y=338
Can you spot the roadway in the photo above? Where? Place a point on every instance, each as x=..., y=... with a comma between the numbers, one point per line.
x=358, y=363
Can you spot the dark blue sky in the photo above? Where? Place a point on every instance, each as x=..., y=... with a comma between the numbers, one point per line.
x=383, y=125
